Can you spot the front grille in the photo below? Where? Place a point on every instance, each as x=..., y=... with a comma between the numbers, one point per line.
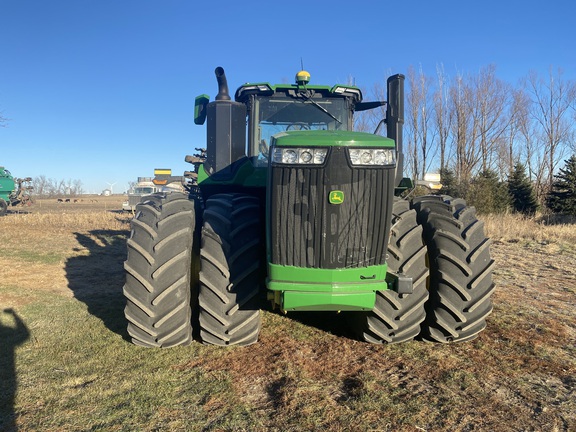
x=134, y=199
x=308, y=231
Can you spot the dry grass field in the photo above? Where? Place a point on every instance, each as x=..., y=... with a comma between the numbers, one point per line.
x=66, y=363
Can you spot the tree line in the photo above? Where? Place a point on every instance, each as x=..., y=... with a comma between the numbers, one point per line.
x=48, y=187
x=477, y=129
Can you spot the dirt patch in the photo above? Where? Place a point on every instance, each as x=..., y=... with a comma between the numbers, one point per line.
x=33, y=276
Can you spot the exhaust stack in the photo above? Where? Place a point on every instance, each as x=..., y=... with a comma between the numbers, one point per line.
x=226, y=130
x=223, y=93
x=395, y=120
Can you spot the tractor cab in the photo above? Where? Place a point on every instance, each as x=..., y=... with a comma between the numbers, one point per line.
x=296, y=107
x=240, y=132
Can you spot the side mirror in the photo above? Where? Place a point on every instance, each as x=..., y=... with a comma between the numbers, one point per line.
x=200, y=104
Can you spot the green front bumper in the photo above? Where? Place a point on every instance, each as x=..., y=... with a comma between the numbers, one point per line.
x=309, y=289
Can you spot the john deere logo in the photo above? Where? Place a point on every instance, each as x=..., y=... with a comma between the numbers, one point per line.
x=336, y=197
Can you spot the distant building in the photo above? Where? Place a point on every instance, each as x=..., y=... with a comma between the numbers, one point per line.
x=106, y=192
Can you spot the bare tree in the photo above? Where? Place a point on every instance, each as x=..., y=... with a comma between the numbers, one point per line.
x=47, y=187
x=518, y=116
x=40, y=185
x=473, y=123
x=464, y=128
x=479, y=121
x=76, y=187
x=524, y=144
x=419, y=142
x=491, y=101
x=412, y=124
x=552, y=99
x=442, y=116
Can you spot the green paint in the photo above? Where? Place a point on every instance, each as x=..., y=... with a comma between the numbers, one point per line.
x=247, y=175
x=323, y=289
x=200, y=104
x=323, y=138
x=7, y=184
x=305, y=301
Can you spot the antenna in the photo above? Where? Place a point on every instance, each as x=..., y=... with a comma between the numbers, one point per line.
x=301, y=64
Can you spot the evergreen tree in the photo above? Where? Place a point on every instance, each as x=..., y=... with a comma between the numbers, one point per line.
x=488, y=194
x=450, y=185
x=521, y=191
x=562, y=197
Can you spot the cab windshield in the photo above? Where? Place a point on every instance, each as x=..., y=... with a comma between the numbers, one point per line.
x=144, y=190
x=271, y=115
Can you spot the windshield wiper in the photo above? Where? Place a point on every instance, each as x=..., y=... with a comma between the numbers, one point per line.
x=316, y=104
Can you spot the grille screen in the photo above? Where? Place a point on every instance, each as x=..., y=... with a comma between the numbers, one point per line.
x=308, y=231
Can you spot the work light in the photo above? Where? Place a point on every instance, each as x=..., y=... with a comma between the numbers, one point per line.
x=297, y=155
x=377, y=157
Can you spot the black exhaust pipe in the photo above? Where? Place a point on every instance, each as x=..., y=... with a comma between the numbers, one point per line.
x=225, y=130
x=223, y=93
x=395, y=120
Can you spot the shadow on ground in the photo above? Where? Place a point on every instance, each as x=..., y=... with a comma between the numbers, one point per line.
x=97, y=278
x=12, y=210
x=329, y=322
x=10, y=337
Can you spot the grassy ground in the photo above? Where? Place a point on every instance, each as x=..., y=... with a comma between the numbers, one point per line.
x=66, y=364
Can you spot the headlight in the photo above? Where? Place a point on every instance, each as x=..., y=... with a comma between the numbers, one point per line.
x=372, y=156
x=295, y=155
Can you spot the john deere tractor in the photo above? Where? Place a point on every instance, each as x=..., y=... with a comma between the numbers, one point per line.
x=287, y=204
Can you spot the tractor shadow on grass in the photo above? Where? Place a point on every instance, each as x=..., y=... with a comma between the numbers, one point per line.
x=96, y=275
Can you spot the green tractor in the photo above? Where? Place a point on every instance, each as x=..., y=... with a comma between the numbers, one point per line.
x=288, y=204
x=13, y=191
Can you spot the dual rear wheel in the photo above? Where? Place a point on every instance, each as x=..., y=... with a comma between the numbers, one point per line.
x=438, y=243
x=175, y=267
x=460, y=283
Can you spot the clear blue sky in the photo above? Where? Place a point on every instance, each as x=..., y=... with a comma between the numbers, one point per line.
x=103, y=90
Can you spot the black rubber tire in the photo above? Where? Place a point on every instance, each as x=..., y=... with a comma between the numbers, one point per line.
x=158, y=271
x=230, y=270
x=460, y=269
x=3, y=207
x=397, y=317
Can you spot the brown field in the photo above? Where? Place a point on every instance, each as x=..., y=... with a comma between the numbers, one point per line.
x=61, y=272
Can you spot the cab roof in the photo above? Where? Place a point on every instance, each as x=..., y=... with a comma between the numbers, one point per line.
x=266, y=89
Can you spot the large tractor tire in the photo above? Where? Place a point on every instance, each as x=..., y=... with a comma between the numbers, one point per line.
x=159, y=271
x=397, y=317
x=460, y=269
x=230, y=270
x=3, y=207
